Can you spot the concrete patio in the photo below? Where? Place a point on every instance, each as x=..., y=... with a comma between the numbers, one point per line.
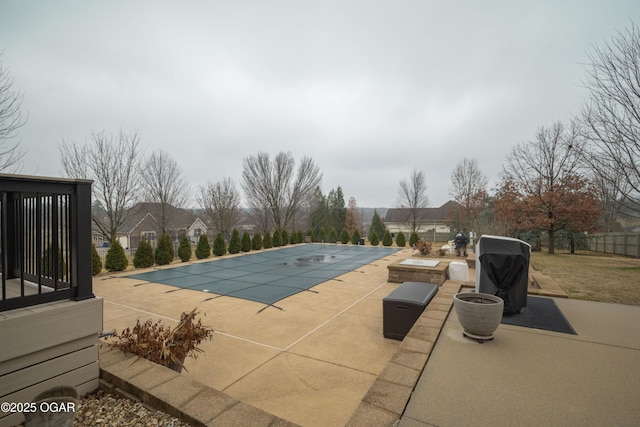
x=322, y=359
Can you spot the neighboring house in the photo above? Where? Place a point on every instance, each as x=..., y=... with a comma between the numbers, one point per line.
x=143, y=221
x=427, y=219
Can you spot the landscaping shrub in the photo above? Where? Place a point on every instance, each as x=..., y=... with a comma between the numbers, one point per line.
x=355, y=237
x=386, y=239
x=164, y=252
x=96, y=262
x=413, y=239
x=266, y=240
x=256, y=242
x=245, y=243
x=401, y=242
x=219, y=246
x=311, y=234
x=373, y=239
x=184, y=250
x=234, y=242
x=116, y=259
x=293, y=238
x=284, y=236
x=163, y=345
x=276, y=239
x=49, y=264
x=300, y=236
x=344, y=236
x=203, y=250
x=144, y=255
x=322, y=235
x=333, y=236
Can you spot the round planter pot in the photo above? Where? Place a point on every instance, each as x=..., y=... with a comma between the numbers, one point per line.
x=479, y=314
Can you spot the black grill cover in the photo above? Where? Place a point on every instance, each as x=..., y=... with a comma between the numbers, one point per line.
x=503, y=270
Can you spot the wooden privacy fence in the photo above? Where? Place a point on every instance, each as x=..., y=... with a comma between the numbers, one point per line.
x=627, y=244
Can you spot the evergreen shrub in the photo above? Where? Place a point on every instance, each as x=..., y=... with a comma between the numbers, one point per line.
x=355, y=237
x=184, y=250
x=245, y=243
x=203, y=250
x=144, y=255
x=234, y=242
x=116, y=259
x=219, y=246
x=401, y=242
x=386, y=239
x=256, y=242
x=344, y=236
x=164, y=252
x=266, y=240
x=96, y=262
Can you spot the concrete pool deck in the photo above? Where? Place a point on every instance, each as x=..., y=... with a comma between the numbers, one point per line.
x=310, y=362
x=322, y=360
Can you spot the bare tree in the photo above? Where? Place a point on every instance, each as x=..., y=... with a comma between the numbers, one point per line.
x=11, y=120
x=352, y=220
x=612, y=113
x=112, y=162
x=221, y=202
x=469, y=189
x=163, y=184
x=542, y=186
x=413, y=195
x=274, y=187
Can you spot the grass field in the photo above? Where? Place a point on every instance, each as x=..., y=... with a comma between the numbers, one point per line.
x=592, y=276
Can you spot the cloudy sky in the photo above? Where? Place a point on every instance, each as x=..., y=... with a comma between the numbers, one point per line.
x=369, y=89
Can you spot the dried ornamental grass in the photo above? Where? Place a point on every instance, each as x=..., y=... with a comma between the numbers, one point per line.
x=162, y=344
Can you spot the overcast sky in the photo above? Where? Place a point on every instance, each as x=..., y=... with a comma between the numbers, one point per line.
x=369, y=89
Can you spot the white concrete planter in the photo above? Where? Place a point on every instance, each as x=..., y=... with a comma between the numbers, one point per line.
x=479, y=314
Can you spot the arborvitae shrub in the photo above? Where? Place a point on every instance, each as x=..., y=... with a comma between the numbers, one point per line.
x=413, y=239
x=266, y=240
x=184, y=250
x=234, y=242
x=164, y=250
x=386, y=239
x=401, y=242
x=256, y=242
x=48, y=263
x=276, y=239
x=284, y=236
x=116, y=259
x=203, y=250
x=373, y=239
x=293, y=238
x=245, y=243
x=355, y=237
x=322, y=235
x=300, y=236
x=333, y=236
x=219, y=246
x=311, y=234
x=96, y=262
x=344, y=236
x=144, y=255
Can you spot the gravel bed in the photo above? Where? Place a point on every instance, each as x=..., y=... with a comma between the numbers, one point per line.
x=105, y=409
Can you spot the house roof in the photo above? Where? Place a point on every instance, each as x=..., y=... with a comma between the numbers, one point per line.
x=180, y=218
x=441, y=214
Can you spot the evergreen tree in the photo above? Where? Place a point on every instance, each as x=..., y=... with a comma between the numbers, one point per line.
x=144, y=255
x=245, y=243
x=276, y=240
x=355, y=237
x=300, y=236
x=413, y=239
x=219, y=246
x=373, y=239
x=284, y=236
x=376, y=225
x=184, y=250
x=48, y=263
x=333, y=236
x=266, y=240
x=203, y=250
x=293, y=238
x=164, y=252
x=344, y=236
x=234, y=242
x=386, y=239
x=96, y=262
x=401, y=242
x=116, y=259
x=256, y=242
x=322, y=235
x=312, y=235
x=337, y=209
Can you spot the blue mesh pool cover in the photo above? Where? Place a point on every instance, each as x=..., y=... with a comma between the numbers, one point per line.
x=270, y=276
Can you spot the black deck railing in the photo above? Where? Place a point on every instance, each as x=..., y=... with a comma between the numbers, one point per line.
x=45, y=240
